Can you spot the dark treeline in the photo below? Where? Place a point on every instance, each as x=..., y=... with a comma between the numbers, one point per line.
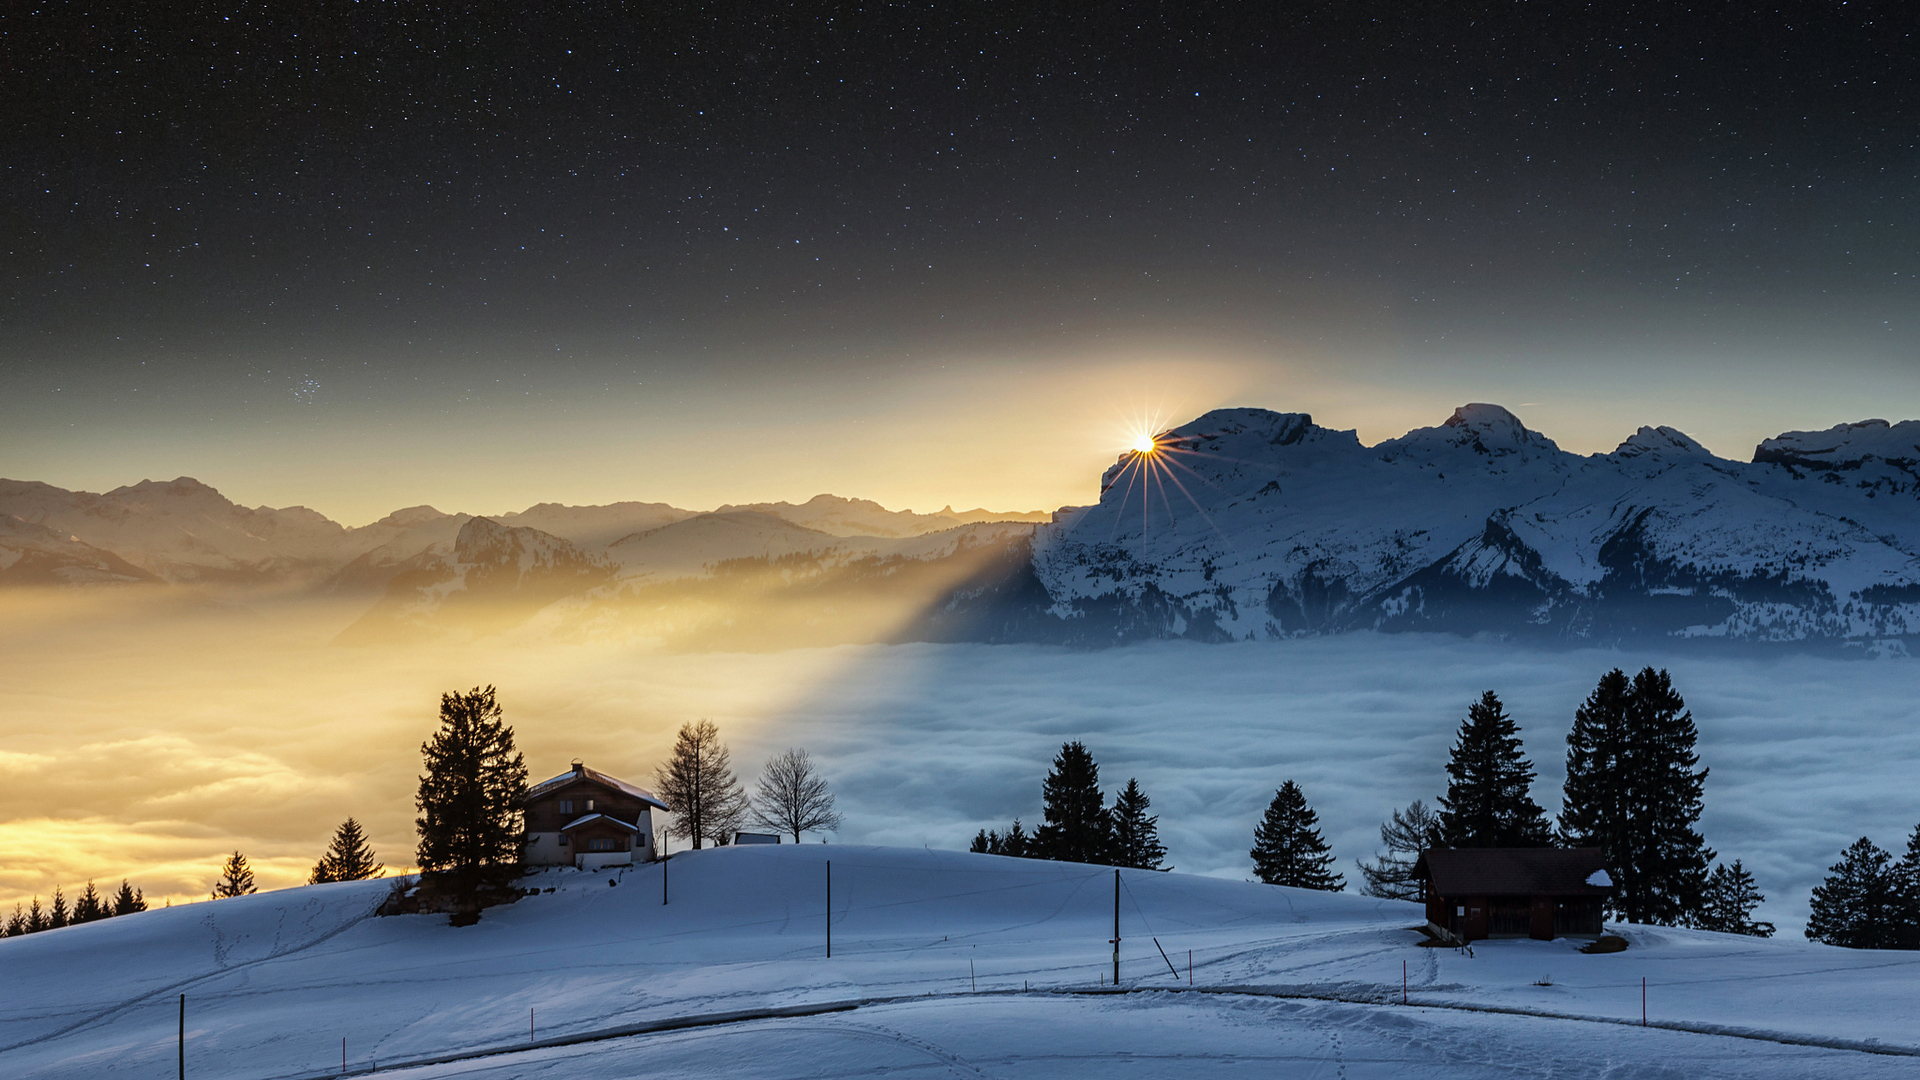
x=1078, y=826
x=91, y=906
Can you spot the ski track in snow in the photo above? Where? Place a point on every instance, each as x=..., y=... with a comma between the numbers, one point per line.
x=730, y=978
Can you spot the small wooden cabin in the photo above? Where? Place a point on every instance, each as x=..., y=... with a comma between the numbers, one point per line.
x=1542, y=893
x=588, y=819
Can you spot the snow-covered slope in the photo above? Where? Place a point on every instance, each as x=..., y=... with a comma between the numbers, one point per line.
x=942, y=964
x=1254, y=524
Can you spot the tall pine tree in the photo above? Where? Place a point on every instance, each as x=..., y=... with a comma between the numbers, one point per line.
x=1487, y=804
x=1594, y=803
x=1906, y=887
x=1668, y=873
x=1288, y=848
x=470, y=798
x=347, y=858
x=1136, y=834
x=697, y=781
x=1858, y=905
x=236, y=878
x=1728, y=902
x=57, y=915
x=1076, y=828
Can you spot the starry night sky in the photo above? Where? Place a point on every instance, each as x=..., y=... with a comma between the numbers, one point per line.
x=274, y=243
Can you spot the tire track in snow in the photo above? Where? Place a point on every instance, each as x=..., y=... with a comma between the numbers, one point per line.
x=178, y=987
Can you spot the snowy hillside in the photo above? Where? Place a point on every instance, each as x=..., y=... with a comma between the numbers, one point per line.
x=1253, y=524
x=942, y=964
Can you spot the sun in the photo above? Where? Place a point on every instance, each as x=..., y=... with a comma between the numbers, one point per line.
x=1144, y=444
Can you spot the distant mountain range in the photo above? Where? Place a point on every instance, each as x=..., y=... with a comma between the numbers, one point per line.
x=1243, y=524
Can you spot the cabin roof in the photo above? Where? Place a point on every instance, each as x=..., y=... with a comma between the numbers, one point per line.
x=582, y=774
x=599, y=817
x=1512, y=871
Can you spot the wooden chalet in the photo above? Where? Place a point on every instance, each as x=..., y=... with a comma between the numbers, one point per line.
x=1542, y=893
x=588, y=819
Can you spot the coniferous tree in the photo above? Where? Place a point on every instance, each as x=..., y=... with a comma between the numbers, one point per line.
x=1136, y=835
x=128, y=900
x=90, y=908
x=792, y=797
x=697, y=781
x=1728, y=902
x=17, y=925
x=36, y=917
x=1487, y=802
x=1076, y=828
x=1858, y=905
x=1669, y=874
x=1288, y=848
x=1633, y=792
x=1406, y=835
x=57, y=915
x=1907, y=893
x=347, y=858
x=236, y=878
x=470, y=798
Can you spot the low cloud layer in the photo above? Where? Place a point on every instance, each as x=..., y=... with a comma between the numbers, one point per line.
x=148, y=749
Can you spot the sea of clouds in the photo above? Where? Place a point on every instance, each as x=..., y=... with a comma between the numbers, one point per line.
x=149, y=747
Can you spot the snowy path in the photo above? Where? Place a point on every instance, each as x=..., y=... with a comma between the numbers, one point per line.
x=274, y=982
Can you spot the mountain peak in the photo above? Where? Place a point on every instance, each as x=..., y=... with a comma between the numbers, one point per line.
x=1649, y=440
x=1843, y=446
x=1483, y=429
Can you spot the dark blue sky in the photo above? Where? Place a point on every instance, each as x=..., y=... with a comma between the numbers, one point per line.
x=221, y=220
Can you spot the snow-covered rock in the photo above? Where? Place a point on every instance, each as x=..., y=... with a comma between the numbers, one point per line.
x=1253, y=524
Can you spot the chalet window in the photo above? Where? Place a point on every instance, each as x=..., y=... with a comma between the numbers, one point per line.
x=602, y=843
x=566, y=806
x=563, y=839
x=589, y=806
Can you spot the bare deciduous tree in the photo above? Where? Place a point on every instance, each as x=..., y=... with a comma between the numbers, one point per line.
x=697, y=781
x=793, y=797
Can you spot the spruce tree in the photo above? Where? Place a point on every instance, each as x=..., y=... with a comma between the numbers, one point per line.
x=90, y=908
x=697, y=781
x=1487, y=802
x=36, y=917
x=1907, y=893
x=1076, y=827
x=347, y=858
x=57, y=915
x=1594, y=804
x=1136, y=835
x=1288, y=848
x=1858, y=905
x=470, y=798
x=17, y=925
x=1728, y=902
x=1667, y=874
x=236, y=878
x=128, y=900
x=1406, y=835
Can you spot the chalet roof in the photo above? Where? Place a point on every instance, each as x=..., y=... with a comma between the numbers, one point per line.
x=592, y=818
x=1512, y=871
x=580, y=773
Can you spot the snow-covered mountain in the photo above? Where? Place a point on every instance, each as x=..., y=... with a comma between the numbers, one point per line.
x=492, y=577
x=37, y=555
x=863, y=517
x=1251, y=524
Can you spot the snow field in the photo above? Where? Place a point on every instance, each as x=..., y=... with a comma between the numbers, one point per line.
x=275, y=980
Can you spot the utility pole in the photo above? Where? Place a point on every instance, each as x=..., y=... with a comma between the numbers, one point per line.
x=663, y=879
x=1116, y=926
x=829, y=909
x=183, y=1037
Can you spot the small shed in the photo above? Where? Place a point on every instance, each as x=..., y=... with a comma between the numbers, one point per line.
x=1541, y=893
